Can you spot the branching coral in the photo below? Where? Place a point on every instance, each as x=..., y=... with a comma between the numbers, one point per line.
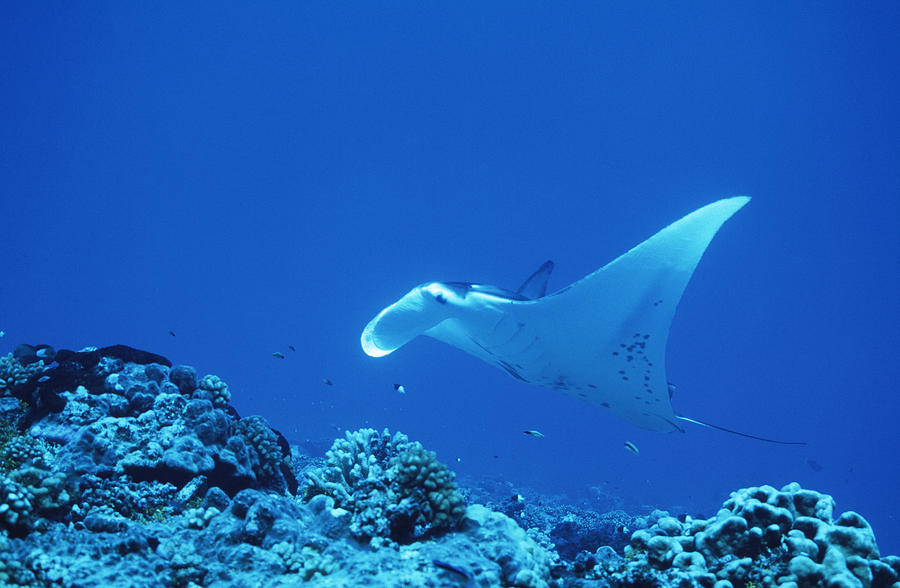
x=16, y=450
x=221, y=396
x=47, y=489
x=16, y=512
x=429, y=486
x=14, y=374
x=392, y=487
x=259, y=436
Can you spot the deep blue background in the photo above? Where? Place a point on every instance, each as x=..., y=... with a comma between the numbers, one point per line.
x=257, y=178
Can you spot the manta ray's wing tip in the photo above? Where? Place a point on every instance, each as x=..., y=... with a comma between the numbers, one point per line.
x=737, y=200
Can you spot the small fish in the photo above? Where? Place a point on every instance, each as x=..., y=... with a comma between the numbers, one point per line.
x=43, y=379
x=2, y=333
x=814, y=465
x=632, y=448
x=44, y=352
x=534, y=433
x=291, y=347
x=172, y=333
x=400, y=388
x=465, y=574
x=327, y=382
x=278, y=355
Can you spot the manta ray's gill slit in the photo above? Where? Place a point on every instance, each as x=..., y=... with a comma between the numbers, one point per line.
x=510, y=370
x=481, y=346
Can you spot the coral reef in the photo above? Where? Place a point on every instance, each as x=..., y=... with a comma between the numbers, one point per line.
x=760, y=537
x=152, y=423
x=118, y=469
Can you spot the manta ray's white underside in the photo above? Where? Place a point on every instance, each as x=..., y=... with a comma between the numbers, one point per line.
x=602, y=339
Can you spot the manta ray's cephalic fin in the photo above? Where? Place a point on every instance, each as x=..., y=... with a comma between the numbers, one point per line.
x=536, y=285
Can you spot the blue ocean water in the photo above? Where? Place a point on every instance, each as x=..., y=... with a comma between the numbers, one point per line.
x=252, y=180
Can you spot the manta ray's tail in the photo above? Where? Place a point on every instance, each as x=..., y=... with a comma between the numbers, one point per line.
x=717, y=427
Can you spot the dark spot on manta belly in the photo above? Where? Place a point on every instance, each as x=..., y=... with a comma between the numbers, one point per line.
x=604, y=404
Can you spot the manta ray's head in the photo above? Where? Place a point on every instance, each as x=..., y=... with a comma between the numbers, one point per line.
x=422, y=308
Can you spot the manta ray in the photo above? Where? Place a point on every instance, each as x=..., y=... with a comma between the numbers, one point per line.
x=601, y=339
